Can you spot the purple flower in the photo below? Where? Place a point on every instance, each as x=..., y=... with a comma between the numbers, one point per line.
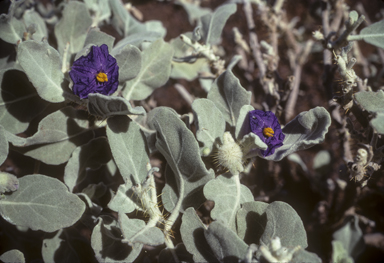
x=265, y=125
x=95, y=73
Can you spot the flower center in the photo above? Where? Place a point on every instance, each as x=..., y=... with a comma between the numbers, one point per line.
x=101, y=77
x=268, y=132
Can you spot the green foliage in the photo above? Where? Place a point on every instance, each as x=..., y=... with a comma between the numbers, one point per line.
x=40, y=204
x=13, y=255
x=372, y=34
x=41, y=63
x=3, y=145
x=11, y=29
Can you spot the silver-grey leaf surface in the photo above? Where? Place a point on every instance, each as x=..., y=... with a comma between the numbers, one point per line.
x=4, y=147
x=192, y=234
x=209, y=122
x=304, y=131
x=11, y=29
x=41, y=203
x=226, y=245
x=228, y=196
x=285, y=223
x=73, y=27
x=98, y=38
x=42, y=64
x=13, y=255
x=129, y=60
x=181, y=150
x=106, y=241
x=106, y=106
x=229, y=96
x=212, y=24
x=57, y=136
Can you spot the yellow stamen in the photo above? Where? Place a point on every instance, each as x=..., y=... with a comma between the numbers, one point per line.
x=101, y=77
x=268, y=132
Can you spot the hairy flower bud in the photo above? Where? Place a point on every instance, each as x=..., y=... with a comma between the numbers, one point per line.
x=8, y=183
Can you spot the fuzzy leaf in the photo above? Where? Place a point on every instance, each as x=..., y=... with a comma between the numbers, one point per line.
x=285, y=223
x=124, y=200
x=11, y=29
x=251, y=220
x=351, y=236
x=13, y=255
x=189, y=71
x=378, y=122
x=212, y=24
x=129, y=60
x=128, y=146
x=304, y=131
x=42, y=64
x=228, y=196
x=41, y=203
x=154, y=72
x=57, y=136
x=209, y=122
x=243, y=126
x=373, y=34
x=306, y=256
x=194, y=10
x=192, y=234
x=136, y=231
x=339, y=254
x=91, y=155
x=98, y=38
x=107, y=243
x=370, y=101
x=106, y=106
x=3, y=145
x=73, y=27
x=229, y=96
x=32, y=17
x=226, y=245
x=138, y=38
x=181, y=150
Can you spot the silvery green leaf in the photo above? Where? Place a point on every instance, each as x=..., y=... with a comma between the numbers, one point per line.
x=136, y=231
x=91, y=155
x=339, y=254
x=229, y=96
x=194, y=10
x=100, y=8
x=57, y=137
x=373, y=34
x=251, y=221
x=41, y=203
x=353, y=16
x=226, y=245
x=228, y=194
x=206, y=84
x=306, y=256
x=106, y=106
x=283, y=222
x=42, y=64
x=304, y=131
x=321, y=160
x=181, y=50
x=251, y=141
x=351, y=236
x=181, y=150
x=13, y=255
x=378, y=123
x=370, y=101
x=138, y=38
x=98, y=38
x=60, y=248
x=128, y=148
x=209, y=122
x=3, y=145
x=32, y=17
x=73, y=27
x=128, y=58
x=124, y=201
x=192, y=234
x=11, y=29
x=189, y=71
x=243, y=126
x=212, y=24
x=234, y=61
x=154, y=72
x=106, y=241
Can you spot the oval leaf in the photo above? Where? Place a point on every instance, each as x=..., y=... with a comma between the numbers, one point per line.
x=41, y=203
x=42, y=64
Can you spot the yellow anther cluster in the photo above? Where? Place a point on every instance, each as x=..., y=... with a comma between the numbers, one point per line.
x=268, y=132
x=101, y=77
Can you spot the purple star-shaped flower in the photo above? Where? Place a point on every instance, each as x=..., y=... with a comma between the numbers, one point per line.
x=96, y=72
x=265, y=125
